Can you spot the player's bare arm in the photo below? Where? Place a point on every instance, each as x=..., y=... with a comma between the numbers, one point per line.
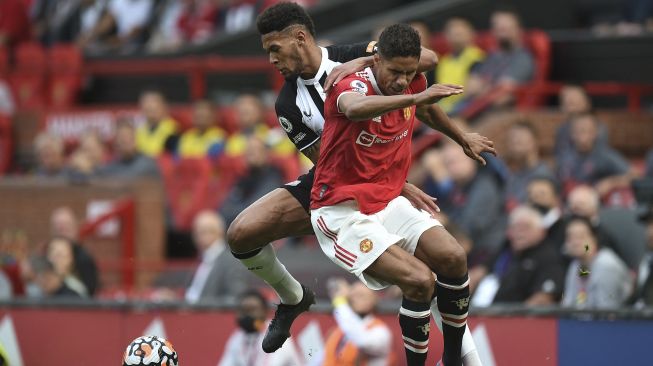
x=427, y=61
x=359, y=107
x=312, y=152
x=472, y=143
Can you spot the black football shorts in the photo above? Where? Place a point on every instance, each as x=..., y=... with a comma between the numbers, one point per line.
x=301, y=188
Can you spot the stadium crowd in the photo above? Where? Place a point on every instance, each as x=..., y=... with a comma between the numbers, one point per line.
x=538, y=229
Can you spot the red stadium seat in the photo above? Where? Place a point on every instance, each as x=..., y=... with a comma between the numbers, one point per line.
x=187, y=184
x=5, y=144
x=4, y=61
x=28, y=77
x=65, y=66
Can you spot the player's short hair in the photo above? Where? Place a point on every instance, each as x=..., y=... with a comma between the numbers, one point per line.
x=280, y=16
x=399, y=40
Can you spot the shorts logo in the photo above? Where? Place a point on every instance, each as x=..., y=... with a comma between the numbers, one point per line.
x=365, y=138
x=359, y=87
x=366, y=245
x=407, y=113
x=285, y=124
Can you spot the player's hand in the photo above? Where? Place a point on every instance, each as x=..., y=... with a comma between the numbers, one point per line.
x=341, y=71
x=476, y=144
x=419, y=199
x=436, y=92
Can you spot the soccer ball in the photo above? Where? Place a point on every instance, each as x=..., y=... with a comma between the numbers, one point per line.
x=150, y=351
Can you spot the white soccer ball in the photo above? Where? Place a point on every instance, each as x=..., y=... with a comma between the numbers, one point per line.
x=150, y=351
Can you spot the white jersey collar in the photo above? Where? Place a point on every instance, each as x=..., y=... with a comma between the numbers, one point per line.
x=320, y=71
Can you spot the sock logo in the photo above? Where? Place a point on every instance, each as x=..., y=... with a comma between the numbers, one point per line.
x=254, y=268
x=462, y=302
x=426, y=328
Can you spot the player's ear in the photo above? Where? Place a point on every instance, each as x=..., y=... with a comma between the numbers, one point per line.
x=377, y=59
x=300, y=37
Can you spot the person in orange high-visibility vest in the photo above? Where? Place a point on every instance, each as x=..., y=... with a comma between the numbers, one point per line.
x=360, y=339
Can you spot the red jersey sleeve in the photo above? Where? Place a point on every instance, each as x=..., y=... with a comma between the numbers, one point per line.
x=419, y=84
x=351, y=84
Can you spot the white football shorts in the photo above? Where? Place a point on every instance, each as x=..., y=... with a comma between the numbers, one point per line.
x=354, y=240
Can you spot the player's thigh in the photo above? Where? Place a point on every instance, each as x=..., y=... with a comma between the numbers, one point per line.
x=397, y=266
x=441, y=252
x=274, y=216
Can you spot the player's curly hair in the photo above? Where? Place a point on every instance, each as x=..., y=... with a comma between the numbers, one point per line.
x=399, y=40
x=282, y=15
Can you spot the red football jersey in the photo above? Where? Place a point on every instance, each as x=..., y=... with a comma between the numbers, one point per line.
x=365, y=161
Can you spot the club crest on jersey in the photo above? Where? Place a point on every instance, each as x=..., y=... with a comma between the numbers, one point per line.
x=366, y=245
x=359, y=87
x=285, y=124
x=407, y=112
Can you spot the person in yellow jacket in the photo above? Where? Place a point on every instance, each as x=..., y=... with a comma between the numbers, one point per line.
x=360, y=339
x=251, y=122
x=455, y=66
x=151, y=137
x=205, y=138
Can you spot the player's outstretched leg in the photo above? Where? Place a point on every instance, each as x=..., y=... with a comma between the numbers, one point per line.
x=275, y=216
x=444, y=256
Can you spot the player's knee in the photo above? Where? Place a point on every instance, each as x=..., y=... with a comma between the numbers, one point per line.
x=453, y=260
x=237, y=236
x=418, y=286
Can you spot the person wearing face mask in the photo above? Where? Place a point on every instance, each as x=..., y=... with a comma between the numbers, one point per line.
x=244, y=347
x=360, y=337
x=509, y=65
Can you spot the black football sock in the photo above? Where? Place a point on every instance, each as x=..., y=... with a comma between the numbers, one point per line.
x=414, y=319
x=453, y=302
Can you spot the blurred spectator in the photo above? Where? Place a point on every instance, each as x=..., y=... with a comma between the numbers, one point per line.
x=205, y=137
x=590, y=162
x=505, y=68
x=50, y=282
x=597, y=277
x=50, y=156
x=219, y=276
x=7, y=103
x=644, y=294
x=151, y=137
x=6, y=289
x=250, y=118
x=360, y=337
x=129, y=19
x=197, y=21
x=63, y=223
x=60, y=253
x=648, y=172
x=618, y=233
x=543, y=196
x=92, y=146
x=129, y=163
x=574, y=101
x=14, y=23
x=528, y=271
x=455, y=66
x=14, y=260
x=259, y=178
x=63, y=21
x=244, y=347
x=522, y=158
x=239, y=15
x=464, y=190
x=166, y=35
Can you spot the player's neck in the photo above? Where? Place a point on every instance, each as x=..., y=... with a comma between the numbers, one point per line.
x=313, y=62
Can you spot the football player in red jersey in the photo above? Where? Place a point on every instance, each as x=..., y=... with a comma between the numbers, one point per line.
x=359, y=217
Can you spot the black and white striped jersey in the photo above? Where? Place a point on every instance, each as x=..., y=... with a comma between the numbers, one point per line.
x=300, y=104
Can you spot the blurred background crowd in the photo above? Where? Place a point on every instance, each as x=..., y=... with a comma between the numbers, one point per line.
x=560, y=216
